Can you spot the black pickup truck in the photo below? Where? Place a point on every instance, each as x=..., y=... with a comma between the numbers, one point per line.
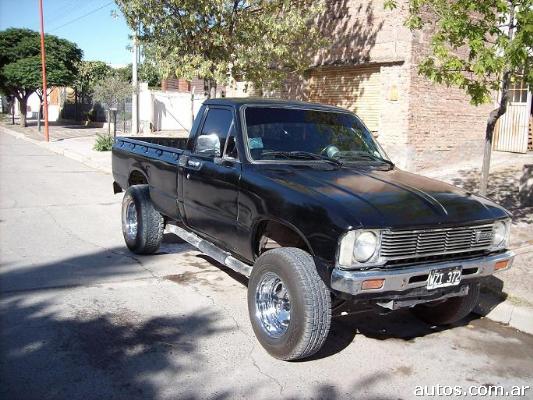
x=301, y=199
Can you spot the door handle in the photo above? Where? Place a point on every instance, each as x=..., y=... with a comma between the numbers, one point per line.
x=194, y=164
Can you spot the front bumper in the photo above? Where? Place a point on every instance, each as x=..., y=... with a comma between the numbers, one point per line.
x=405, y=278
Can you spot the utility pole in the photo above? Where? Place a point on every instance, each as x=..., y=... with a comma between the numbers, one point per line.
x=43, y=63
x=135, y=96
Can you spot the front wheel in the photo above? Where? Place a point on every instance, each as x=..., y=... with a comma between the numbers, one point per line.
x=288, y=303
x=449, y=311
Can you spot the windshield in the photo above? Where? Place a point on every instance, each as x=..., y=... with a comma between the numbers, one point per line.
x=286, y=133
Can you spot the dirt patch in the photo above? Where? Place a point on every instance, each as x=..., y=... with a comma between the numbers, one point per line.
x=508, y=357
x=186, y=278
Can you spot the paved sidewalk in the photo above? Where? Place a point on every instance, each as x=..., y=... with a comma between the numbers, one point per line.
x=507, y=297
x=74, y=141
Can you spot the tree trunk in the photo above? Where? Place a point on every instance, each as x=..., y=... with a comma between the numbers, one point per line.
x=76, y=114
x=23, y=107
x=494, y=116
x=39, y=113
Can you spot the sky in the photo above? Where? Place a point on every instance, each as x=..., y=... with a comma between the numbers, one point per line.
x=88, y=23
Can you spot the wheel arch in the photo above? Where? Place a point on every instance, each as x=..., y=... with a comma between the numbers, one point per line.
x=282, y=233
x=137, y=177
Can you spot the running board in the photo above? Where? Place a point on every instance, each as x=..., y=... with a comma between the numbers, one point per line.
x=211, y=250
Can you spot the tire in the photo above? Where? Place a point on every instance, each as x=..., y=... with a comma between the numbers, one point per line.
x=138, y=211
x=451, y=310
x=309, y=304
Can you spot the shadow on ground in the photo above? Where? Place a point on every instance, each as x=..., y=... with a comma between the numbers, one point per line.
x=399, y=325
x=503, y=189
x=96, y=354
x=109, y=264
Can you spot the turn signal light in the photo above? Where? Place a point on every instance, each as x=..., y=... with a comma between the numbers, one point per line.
x=372, y=284
x=501, y=265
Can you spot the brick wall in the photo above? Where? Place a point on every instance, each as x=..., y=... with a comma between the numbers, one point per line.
x=176, y=85
x=363, y=36
x=421, y=124
x=443, y=126
x=361, y=32
x=394, y=113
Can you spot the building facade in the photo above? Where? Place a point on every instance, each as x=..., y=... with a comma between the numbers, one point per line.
x=370, y=66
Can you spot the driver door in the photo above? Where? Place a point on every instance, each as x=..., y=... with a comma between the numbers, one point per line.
x=211, y=177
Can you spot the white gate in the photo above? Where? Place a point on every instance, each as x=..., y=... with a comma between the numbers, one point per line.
x=512, y=129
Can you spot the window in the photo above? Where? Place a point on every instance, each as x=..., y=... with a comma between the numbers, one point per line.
x=518, y=92
x=231, y=146
x=218, y=122
x=285, y=133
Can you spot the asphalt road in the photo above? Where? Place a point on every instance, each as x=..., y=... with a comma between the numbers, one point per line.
x=82, y=318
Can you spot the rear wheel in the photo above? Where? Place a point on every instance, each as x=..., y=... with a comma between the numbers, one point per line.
x=449, y=311
x=142, y=225
x=289, y=305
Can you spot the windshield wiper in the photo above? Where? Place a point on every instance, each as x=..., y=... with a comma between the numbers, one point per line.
x=306, y=155
x=375, y=158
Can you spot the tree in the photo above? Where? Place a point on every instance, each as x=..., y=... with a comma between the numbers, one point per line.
x=20, y=64
x=124, y=73
x=259, y=41
x=149, y=73
x=112, y=91
x=89, y=74
x=478, y=46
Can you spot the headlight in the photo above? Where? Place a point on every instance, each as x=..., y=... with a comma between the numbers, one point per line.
x=500, y=234
x=359, y=247
x=365, y=247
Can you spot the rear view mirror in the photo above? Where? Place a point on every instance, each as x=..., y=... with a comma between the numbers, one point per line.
x=208, y=145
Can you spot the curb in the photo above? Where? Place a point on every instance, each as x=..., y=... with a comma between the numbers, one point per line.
x=515, y=316
x=63, y=152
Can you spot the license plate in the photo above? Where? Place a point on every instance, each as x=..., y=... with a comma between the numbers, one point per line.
x=444, y=277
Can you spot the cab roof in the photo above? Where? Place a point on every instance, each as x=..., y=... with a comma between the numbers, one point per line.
x=237, y=102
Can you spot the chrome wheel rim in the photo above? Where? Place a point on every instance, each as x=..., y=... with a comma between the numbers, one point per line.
x=129, y=219
x=272, y=305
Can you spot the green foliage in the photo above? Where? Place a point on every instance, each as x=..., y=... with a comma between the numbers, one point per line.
x=471, y=44
x=124, y=73
x=20, y=64
x=112, y=90
x=149, y=73
x=20, y=61
x=89, y=74
x=259, y=41
x=104, y=142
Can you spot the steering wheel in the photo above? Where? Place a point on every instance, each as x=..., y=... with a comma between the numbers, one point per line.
x=330, y=151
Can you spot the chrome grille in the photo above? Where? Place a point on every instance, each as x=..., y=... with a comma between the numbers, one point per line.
x=403, y=244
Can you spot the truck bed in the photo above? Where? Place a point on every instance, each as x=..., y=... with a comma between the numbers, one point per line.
x=152, y=160
x=177, y=143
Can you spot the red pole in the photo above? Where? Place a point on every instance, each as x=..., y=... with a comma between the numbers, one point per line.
x=43, y=62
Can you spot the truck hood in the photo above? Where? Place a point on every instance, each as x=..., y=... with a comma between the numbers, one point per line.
x=389, y=198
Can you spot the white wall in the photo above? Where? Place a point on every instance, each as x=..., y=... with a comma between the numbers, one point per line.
x=161, y=111
x=33, y=108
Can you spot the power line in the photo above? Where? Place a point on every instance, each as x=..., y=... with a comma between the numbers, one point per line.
x=62, y=14
x=82, y=16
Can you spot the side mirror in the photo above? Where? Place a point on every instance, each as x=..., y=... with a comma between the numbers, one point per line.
x=208, y=145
